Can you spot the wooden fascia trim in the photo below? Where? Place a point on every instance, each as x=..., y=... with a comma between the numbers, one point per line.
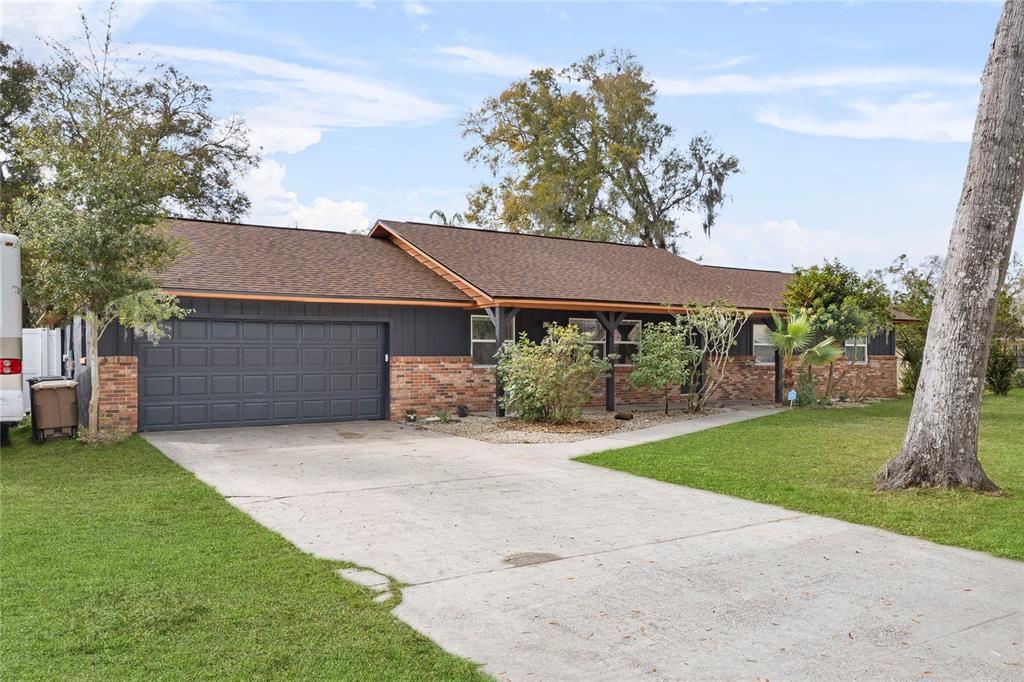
x=316, y=299
x=603, y=306
x=449, y=275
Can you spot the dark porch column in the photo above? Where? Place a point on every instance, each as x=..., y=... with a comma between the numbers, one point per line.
x=778, y=377
x=610, y=322
x=502, y=319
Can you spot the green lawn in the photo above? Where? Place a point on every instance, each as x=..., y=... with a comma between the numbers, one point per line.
x=116, y=563
x=824, y=462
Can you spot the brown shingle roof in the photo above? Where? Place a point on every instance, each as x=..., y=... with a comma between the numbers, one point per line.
x=506, y=265
x=249, y=259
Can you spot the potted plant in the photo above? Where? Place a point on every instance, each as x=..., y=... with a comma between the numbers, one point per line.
x=462, y=411
x=410, y=415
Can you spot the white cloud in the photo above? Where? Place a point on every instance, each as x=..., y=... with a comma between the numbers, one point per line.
x=779, y=245
x=834, y=79
x=287, y=139
x=477, y=61
x=295, y=104
x=917, y=118
x=415, y=9
x=25, y=21
x=272, y=204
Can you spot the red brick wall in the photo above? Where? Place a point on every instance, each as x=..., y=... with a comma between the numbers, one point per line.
x=876, y=379
x=746, y=380
x=428, y=384
x=119, y=393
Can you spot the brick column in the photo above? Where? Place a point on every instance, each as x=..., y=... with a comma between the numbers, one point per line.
x=119, y=393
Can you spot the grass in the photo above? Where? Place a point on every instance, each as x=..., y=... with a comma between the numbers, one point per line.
x=824, y=462
x=118, y=564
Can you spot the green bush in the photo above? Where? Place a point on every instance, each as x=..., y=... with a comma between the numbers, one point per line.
x=665, y=358
x=913, y=355
x=550, y=380
x=1018, y=379
x=1002, y=366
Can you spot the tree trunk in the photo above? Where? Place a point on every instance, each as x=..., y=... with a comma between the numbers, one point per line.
x=92, y=355
x=941, y=445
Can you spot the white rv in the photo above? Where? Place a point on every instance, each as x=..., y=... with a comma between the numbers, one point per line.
x=12, y=406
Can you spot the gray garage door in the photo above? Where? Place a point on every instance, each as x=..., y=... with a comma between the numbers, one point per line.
x=212, y=373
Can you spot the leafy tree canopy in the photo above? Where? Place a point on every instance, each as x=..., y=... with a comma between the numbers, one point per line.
x=839, y=302
x=117, y=151
x=580, y=152
x=17, y=84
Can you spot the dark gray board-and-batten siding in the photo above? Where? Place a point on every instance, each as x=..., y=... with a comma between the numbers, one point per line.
x=412, y=330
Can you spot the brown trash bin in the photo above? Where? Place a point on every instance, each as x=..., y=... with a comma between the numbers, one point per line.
x=54, y=408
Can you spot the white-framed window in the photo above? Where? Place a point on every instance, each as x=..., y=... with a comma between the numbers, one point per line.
x=764, y=350
x=857, y=350
x=483, y=342
x=590, y=325
x=627, y=340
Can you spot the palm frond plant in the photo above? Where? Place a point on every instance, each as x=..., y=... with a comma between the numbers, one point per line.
x=790, y=335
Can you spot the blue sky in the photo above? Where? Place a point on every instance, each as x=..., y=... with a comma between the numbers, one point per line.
x=850, y=120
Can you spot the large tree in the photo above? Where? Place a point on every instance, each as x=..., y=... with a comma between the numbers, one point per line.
x=580, y=152
x=17, y=84
x=941, y=445
x=118, y=150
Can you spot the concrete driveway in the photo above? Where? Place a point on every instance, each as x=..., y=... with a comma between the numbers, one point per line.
x=636, y=579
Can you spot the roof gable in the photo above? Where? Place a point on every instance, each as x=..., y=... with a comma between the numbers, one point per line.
x=253, y=260
x=505, y=265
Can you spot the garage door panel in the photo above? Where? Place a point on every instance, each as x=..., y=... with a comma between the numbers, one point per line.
x=224, y=384
x=256, y=411
x=256, y=383
x=156, y=387
x=224, y=357
x=224, y=413
x=255, y=357
x=286, y=409
x=192, y=414
x=192, y=385
x=287, y=356
x=249, y=372
x=286, y=383
x=155, y=357
x=192, y=357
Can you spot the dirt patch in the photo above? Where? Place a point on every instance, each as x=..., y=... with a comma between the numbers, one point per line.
x=509, y=430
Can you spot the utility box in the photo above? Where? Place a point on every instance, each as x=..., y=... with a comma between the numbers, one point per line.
x=54, y=408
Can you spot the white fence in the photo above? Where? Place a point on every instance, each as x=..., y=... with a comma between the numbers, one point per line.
x=41, y=356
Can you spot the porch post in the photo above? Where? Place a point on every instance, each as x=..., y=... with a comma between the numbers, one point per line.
x=501, y=317
x=610, y=321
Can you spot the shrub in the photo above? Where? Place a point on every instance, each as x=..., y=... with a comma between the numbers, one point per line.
x=550, y=380
x=664, y=359
x=1002, y=365
x=443, y=416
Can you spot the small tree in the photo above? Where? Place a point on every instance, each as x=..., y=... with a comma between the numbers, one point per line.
x=1002, y=366
x=116, y=152
x=665, y=358
x=714, y=329
x=792, y=338
x=551, y=380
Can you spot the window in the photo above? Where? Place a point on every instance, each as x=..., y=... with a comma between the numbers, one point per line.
x=857, y=350
x=764, y=350
x=627, y=338
x=589, y=325
x=483, y=342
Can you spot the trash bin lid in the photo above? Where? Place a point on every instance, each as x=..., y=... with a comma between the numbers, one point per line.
x=53, y=383
x=36, y=380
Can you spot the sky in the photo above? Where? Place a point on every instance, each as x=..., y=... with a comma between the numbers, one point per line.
x=851, y=120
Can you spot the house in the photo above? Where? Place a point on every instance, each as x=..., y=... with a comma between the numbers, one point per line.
x=292, y=325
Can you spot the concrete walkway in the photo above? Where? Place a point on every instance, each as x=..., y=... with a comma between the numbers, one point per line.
x=541, y=568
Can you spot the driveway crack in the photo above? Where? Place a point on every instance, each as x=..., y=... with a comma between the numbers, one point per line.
x=262, y=499
x=618, y=549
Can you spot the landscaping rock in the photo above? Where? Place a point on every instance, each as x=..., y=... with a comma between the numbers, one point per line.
x=624, y=416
